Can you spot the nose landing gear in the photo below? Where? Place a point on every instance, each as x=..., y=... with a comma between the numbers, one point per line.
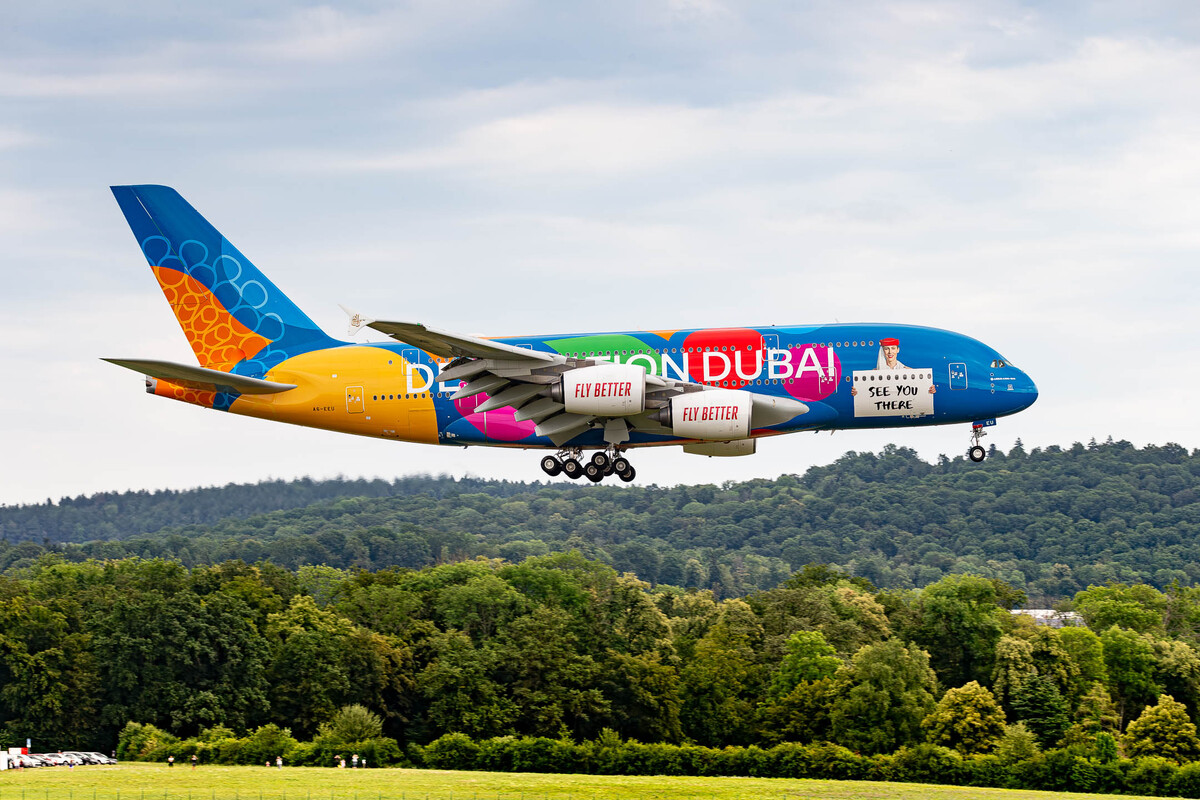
x=602, y=464
x=976, y=452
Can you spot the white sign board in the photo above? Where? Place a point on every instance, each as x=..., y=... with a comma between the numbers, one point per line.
x=901, y=392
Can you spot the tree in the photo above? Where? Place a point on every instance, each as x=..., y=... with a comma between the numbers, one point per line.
x=1130, y=662
x=967, y=718
x=1017, y=744
x=887, y=690
x=1095, y=714
x=807, y=657
x=959, y=622
x=1037, y=702
x=353, y=723
x=1087, y=653
x=1163, y=730
x=1014, y=665
x=1137, y=608
x=460, y=692
x=802, y=715
x=717, y=684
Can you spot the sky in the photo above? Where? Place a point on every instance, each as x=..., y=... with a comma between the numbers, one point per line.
x=1024, y=173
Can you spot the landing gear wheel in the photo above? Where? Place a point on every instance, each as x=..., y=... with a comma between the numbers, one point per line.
x=621, y=465
x=551, y=466
x=977, y=453
x=593, y=473
x=600, y=459
x=572, y=469
x=628, y=474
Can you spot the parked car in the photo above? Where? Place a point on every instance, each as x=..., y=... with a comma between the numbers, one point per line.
x=98, y=758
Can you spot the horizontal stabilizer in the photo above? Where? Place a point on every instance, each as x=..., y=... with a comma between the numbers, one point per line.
x=200, y=378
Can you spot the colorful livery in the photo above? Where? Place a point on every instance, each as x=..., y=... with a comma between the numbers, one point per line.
x=713, y=390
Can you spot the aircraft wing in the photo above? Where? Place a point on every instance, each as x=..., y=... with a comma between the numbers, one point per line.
x=452, y=345
x=522, y=378
x=209, y=380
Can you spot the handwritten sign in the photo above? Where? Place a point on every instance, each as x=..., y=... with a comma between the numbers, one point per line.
x=902, y=392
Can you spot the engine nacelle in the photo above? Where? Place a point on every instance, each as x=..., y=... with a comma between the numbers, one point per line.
x=605, y=390
x=715, y=415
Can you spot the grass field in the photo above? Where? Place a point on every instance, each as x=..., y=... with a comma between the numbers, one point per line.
x=159, y=782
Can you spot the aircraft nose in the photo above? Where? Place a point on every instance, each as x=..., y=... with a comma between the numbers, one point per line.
x=1027, y=392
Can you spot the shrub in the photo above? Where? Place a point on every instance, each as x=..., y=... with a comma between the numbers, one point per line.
x=987, y=770
x=265, y=744
x=1055, y=771
x=926, y=763
x=351, y=724
x=141, y=742
x=452, y=751
x=1187, y=780
x=543, y=755
x=1150, y=775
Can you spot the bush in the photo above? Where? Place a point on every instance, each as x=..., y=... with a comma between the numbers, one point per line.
x=1055, y=771
x=543, y=755
x=989, y=770
x=1187, y=780
x=142, y=742
x=1150, y=775
x=352, y=724
x=926, y=763
x=452, y=751
x=265, y=744
x=834, y=762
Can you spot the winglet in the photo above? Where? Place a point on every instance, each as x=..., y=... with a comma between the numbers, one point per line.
x=357, y=321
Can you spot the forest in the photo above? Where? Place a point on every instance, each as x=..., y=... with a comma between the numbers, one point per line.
x=560, y=663
x=1050, y=522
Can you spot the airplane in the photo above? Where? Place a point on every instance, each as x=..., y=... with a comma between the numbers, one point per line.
x=713, y=391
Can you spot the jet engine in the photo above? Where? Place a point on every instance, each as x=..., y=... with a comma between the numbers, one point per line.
x=722, y=415
x=605, y=390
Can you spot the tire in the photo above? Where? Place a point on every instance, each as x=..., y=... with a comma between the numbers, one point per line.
x=551, y=466
x=592, y=472
x=628, y=474
x=621, y=465
x=600, y=459
x=977, y=453
x=572, y=469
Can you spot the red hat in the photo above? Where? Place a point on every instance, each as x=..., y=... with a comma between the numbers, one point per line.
x=889, y=342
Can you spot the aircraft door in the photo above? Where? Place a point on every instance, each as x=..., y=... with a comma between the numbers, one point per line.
x=958, y=375
x=354, y=400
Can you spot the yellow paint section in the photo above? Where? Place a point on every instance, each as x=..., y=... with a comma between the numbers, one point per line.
x=666, y=335
x=218, y=340
x=326, y=380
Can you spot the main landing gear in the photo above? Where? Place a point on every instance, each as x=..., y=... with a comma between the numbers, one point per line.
x=976, y=452
x=602, y=464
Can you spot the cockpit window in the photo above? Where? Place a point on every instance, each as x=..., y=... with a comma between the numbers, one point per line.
x=1000, y=362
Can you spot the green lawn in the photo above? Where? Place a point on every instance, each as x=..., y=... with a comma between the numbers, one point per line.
x=154, y=781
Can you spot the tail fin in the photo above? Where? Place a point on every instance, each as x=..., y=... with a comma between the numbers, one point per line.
x=233, y=316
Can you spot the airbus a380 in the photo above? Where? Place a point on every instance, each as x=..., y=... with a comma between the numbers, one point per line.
x=713, y=391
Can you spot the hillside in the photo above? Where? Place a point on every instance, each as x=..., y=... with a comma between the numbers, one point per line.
x=1050, y=522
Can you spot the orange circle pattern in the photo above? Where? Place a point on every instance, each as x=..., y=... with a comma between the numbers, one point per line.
x=217, y=338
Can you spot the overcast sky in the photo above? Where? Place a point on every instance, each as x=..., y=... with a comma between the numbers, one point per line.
x=1025, y=173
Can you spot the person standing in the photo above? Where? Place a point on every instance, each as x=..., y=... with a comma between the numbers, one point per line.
x=170, y=761
x=278, y=762
x=195, y=759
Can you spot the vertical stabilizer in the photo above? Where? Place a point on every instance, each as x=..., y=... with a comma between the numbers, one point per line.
x=234, y=318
